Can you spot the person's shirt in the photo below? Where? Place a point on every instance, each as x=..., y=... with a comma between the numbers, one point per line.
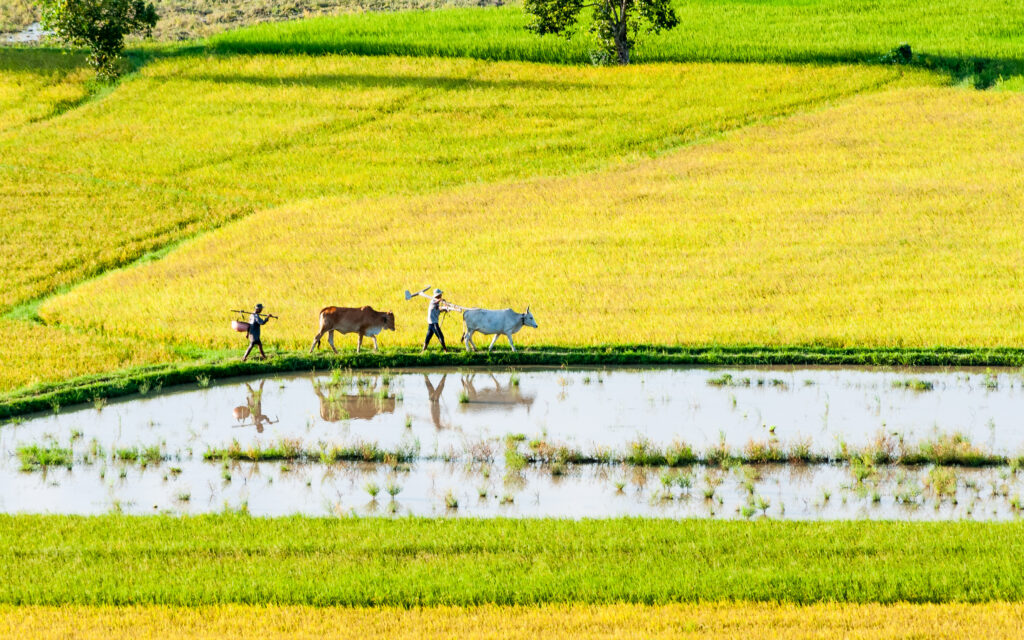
x=434, y=311
x=254, y=324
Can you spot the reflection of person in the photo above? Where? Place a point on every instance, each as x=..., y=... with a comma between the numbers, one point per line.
x=253, y=409
x=435, y=399
x=437, y=305
x=255, y=322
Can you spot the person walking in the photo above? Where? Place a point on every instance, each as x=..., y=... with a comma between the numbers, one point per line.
x=256, y=320
x=437, y=305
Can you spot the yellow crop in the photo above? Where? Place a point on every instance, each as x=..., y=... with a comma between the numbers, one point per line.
x=34, y=353
x=190, y=143
x=36, y=84
x=711, y=620
x=892, y=219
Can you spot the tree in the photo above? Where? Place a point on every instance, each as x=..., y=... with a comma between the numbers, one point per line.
x=99, y=25
x=617, y=23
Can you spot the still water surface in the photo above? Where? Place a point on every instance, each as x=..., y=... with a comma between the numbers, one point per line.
x=452, y=416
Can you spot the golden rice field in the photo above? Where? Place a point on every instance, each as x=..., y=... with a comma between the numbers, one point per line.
x=710, y=620
x=34, y=353
x=35, y=84
x=192, y=142
x=890, y=219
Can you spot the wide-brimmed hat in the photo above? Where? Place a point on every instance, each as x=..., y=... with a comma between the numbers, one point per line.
x=259, y=306
x=437, y=293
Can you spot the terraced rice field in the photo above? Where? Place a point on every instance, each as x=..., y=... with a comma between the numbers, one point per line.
x=195, y=142
x=845, y=226
x=766, y=182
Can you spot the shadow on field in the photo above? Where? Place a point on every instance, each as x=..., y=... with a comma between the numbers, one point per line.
x=39, y=60
x=981, y=72
x=372, y=81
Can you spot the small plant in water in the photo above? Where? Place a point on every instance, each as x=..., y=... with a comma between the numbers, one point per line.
x=184, y=496
x=393, y=489
x=463, y=397
x=98, y=403
x=514, y=380
x=203, y=380
x=991, y=382
x=450, y=500
x=372, y=489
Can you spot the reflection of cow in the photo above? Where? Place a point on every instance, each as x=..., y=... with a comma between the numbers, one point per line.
x=364, y=321
x=506, y=397
x=335, y=407
x=499, y=323
x=253, y=408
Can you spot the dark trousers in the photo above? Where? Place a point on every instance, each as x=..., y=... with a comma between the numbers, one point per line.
x=254, y=341
x=434, y=329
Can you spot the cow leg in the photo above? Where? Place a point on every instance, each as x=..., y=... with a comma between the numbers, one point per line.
x=316, y=342
x=359, y=343
x=492, y=342
x=330, y=340
x=374, y=342
x=467, y=339
x=510, y=343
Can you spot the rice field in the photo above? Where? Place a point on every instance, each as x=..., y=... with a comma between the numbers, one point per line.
x=409, y=562
x=709, y=620
x=38, y=84
x=945, y=34
x=191, y=143
x=35, y=353
x=819, y=229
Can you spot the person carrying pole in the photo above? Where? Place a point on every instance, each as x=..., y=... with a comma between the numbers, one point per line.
x=256, y=320
x=437, y=305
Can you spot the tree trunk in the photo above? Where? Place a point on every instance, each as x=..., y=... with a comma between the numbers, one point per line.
x=622, y=42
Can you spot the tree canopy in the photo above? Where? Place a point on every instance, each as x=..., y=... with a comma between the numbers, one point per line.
x=99, y=25
x=617, y=23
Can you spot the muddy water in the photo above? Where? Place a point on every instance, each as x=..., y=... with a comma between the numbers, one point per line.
x=452, y=418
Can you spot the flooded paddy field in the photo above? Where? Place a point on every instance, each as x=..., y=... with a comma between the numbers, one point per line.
x=799, y=443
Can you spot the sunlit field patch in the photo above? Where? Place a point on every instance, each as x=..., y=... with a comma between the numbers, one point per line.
x=193, y=142
x=710, y=620
x=33, y=353
x=889, y=220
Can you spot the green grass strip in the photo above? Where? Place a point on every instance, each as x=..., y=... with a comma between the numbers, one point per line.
x=966, y=38
x=190, y=561
x=154, y=378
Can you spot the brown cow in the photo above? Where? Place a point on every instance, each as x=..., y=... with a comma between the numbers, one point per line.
x=364, y=321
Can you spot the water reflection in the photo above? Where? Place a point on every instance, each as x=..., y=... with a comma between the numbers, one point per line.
x=336, y=406
x=506, y=397
x=252, y=410
x=434, y=395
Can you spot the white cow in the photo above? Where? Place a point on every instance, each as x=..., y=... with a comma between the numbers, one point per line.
x=497, y=322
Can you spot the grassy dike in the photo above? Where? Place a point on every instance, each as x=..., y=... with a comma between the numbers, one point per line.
x=193, y=561
x=155, y=378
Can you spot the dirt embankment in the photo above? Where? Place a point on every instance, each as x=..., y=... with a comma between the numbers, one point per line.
x=186, y=19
